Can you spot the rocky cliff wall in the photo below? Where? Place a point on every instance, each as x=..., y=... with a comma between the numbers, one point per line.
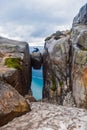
x=79, y=64
x=56, y=64
x=15, y=64
x=65, y=64
x=15, y=79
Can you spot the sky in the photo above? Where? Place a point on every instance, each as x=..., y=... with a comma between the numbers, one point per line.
x=33, y=20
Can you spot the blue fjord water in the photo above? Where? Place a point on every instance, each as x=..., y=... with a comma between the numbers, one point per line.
x=37, y=79
x=37, y=83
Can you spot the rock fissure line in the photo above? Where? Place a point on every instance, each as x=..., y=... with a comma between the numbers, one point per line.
x=70, y=65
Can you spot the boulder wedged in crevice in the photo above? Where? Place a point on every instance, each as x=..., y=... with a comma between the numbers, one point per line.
x=36, y=60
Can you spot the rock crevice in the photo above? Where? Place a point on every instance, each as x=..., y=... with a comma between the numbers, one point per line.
x=65, y=63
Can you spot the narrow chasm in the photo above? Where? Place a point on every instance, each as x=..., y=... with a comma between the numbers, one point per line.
x=37, y=71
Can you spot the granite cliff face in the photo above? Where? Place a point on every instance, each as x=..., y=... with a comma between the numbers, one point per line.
x=56, y=64
x=79, y=64
x=15, y=65
x=81, y=17
x=65, y=64
x=15, y=78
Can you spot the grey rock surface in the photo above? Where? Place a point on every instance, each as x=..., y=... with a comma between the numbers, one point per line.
x=17, y=54
x=12, y=104
x=65, y=64
x=79, y=61
x=36, y=60
x=81, y=18
x=56, y=61
x=45, y=116
x=79, y=36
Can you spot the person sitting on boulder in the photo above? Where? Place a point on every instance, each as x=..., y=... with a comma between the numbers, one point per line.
x=35, y=50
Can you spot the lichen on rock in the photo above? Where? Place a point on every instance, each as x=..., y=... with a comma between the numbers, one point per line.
x=13, y=63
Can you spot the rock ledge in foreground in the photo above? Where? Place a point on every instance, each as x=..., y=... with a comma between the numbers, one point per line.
x=45, y=116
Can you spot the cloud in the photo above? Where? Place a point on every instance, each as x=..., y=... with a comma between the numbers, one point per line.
x=33, y=20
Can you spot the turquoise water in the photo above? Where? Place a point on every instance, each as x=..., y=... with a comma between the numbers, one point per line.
x=37, y=80
x=37, y=83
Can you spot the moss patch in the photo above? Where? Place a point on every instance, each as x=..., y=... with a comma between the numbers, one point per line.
x=13, y=63
x=61, y=83
x=53, y=87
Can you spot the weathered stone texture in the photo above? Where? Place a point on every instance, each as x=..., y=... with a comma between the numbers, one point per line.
x=81, y=17
x=18, y=75
x=79, y=65
x=12, y=104
x=56, y=68
x=65, y=64
x=45, y=116
x=15, y=74
x=36, y=60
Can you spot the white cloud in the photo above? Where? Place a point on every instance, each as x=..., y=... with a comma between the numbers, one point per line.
x=33, y=20
x=17, y=31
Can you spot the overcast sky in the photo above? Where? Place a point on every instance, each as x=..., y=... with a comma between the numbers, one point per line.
x=33, y=20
